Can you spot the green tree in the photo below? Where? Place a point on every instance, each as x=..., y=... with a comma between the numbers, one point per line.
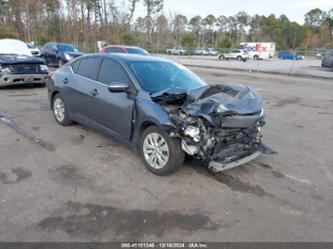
x=152, y=7
x=179, y=25
x=314, y=18
x=5, y=33
x=225, y=43
x=189, y=41
x=129, y=39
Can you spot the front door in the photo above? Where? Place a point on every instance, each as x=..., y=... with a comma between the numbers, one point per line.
x=112, y=111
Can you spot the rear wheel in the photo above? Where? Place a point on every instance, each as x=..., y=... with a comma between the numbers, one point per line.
x=60, y=111
x=256, y=57
x=161, y=154
x=221, y=57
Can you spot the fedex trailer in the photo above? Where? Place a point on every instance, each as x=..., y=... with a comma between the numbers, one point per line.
x=259, y=50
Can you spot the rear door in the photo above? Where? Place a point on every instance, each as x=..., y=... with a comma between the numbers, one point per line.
x=112, y=111
x=79, y=84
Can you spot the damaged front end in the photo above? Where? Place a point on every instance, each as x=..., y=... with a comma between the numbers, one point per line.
x=219, y=124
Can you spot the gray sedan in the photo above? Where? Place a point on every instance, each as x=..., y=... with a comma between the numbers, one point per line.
x=160, y=109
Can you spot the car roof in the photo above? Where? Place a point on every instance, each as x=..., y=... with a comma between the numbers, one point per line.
x=120, y=46
x=59, y=43
x=127, y=57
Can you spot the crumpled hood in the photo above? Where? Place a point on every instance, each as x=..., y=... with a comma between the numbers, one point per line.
x=228, y=98
x=235, y=98
x=20, y=59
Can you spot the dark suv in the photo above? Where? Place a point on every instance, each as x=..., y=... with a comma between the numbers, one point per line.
x=58, y=54
x=327, y=60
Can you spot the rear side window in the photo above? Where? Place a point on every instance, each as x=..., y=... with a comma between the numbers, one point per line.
x=112, y=72
x=87, y=67
x=114, y=50
x=48, y=46
x=75, y=65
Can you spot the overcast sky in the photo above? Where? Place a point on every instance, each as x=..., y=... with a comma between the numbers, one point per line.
x=294, y=9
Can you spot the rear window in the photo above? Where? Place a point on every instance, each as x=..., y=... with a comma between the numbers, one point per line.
x=136, y=51
x=87, y=67
x=114, y=50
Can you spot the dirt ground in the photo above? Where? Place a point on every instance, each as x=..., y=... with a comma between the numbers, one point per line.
x=76, y=184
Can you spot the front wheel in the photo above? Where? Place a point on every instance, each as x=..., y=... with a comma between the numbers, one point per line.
x=60, y=62
x=239, y=58
x=161, y=154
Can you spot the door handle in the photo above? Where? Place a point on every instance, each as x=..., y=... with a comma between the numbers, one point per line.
x=94, y=92
x=66, y=81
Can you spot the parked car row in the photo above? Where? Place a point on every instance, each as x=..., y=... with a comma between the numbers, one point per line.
x=198, y=51
x=23, y=63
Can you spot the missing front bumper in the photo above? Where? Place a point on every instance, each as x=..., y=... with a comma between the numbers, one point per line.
x=216, y=166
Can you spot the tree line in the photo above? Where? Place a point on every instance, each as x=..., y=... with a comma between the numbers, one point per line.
x=83, y=22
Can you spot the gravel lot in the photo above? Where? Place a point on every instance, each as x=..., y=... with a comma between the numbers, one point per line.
x=307, y=67
x=75, y=184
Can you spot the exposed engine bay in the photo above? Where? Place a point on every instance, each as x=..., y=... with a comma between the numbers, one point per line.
x=218, y=124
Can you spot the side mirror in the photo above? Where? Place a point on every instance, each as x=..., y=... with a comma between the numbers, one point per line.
x=118, y=87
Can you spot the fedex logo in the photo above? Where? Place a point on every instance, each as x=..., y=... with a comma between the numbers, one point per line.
x=254, y=47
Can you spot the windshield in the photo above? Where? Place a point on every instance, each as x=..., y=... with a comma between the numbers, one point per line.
x=155, y=76
x=67, y=48
x=137, y=51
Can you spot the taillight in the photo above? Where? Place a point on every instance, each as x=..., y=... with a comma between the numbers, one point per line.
x=49, y=75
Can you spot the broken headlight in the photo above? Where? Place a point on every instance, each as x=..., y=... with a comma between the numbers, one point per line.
x=221, y=108
x=193, y=132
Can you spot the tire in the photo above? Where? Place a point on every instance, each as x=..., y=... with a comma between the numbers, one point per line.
x=60, y=62
x=169, y=53
x=239, y=58
x=245, y=59
x=221, y=57
x=61, y=116
x=173, y=159
x=256, y=57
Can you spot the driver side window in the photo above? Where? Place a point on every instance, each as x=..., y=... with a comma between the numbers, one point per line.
x=112, y=72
